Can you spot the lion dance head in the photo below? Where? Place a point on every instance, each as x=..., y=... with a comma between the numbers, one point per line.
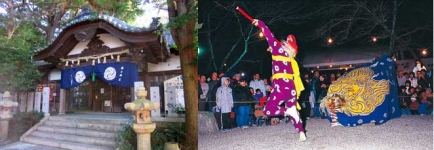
x=356, y=93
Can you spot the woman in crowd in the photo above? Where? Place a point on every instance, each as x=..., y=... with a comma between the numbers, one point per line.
x=413, y=80
x=418, y=66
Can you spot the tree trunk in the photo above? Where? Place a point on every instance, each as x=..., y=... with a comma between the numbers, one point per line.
x=18, y=100
x=50, y=34
x=183, y=36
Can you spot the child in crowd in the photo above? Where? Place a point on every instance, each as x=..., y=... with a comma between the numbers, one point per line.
x=414, y=105
x=425, y=103
x=407, y=87
x=259, y=94
x=225, y=104
x=404, y=101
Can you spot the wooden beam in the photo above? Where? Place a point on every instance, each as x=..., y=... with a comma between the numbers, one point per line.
x=65, y=48
x=98, y=52
x=150, y=57
x=160, y=73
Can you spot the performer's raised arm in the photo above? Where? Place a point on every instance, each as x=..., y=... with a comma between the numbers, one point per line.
x=266, y=31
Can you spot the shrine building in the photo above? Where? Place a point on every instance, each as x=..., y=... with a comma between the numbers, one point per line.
x=93, y=62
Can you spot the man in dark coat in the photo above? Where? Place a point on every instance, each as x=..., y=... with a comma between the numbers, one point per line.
x=244, y=99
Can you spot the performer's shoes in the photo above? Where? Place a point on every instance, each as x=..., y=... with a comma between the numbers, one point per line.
x=302, y=137
x=225, y=130
x=336, y=124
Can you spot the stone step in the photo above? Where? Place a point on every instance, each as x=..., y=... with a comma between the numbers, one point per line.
x=89, y=120
x=64, y=144
x=90, y=126
x=75, y=138
x=81, y=132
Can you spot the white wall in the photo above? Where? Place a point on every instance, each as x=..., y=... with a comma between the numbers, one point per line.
x=172, y=63
x=108, y=39
x=54, y=75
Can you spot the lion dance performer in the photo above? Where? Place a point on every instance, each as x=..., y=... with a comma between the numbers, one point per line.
x=286, y=81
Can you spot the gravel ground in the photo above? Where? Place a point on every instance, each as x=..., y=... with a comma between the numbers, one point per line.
x=27, y=146
x=404, y=133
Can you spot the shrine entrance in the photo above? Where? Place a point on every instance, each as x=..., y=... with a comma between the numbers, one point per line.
x=116, y=54
x=99, y=96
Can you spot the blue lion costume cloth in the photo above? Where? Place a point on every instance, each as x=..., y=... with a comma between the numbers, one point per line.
x=367, y=94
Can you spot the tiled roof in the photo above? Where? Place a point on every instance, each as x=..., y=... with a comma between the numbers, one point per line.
x=91, y=17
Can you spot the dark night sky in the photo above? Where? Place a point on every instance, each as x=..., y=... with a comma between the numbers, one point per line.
x=410, y=13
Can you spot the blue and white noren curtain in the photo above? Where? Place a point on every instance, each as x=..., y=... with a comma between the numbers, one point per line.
x=74, y=76
x=119, y=74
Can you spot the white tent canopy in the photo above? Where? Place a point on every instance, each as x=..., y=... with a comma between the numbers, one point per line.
x=342, y=58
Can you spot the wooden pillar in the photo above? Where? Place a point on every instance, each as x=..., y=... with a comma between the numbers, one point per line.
x=146, y=78
x=111, y=98
x=62, y=101
x=92, y=95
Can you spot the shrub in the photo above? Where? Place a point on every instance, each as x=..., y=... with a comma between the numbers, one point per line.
x=171, y=132
x=165, y=132
x=22, y=122
x=127, y=139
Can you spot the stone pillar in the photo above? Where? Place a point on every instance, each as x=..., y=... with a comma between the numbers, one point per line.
x=144, y=135
x=143, y=125
x=4, y=128
x=6, y=106
x=62, y=101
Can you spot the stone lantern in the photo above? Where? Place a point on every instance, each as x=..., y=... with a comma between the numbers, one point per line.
x=143, y=125
x=6, y=106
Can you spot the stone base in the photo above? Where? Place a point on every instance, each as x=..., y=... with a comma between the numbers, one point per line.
x=171, y=146
x=207, y=123
x=4, y=142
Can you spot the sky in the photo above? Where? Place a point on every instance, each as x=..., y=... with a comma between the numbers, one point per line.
x=225, y=31
x=151, y=11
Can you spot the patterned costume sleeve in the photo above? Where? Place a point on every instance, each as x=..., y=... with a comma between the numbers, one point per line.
x=272, y=42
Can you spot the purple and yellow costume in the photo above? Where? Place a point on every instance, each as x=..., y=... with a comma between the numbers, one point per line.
x=286, y=80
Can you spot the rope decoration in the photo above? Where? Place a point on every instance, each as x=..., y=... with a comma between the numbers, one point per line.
x=93, y=58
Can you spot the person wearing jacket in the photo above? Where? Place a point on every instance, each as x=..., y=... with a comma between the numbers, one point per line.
x=243, y=99
x=257, y=83
x=213, y=84
x=225, y=103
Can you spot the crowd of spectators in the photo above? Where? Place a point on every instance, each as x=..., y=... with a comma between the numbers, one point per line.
x=415, y=94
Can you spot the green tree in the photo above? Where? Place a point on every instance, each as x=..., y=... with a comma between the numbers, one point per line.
x=16, y=69
x=19, y=37
x=52, y=14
